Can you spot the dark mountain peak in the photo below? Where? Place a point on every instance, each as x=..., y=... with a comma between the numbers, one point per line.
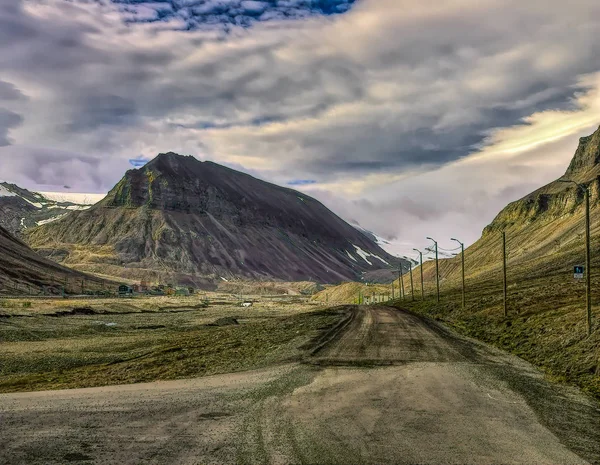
x=587, y=155
x=171, y=157
x=203, y=219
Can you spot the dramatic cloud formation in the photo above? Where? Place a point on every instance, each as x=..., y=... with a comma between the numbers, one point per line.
x=409, y=117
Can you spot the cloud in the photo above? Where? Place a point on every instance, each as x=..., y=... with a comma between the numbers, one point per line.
x=374, y=100
x=8, y=120
x=8, y=92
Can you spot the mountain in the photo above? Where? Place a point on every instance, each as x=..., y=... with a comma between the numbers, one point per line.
x=184, y=218
x=24, y=271
x=544, y=230
x=21, y=209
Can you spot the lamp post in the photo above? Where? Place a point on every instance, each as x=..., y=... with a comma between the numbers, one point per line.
x=437, y=274
x=462, y=256
x=588, y=293
x=421, y=266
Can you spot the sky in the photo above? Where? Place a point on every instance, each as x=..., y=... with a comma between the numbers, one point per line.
x=410, y=118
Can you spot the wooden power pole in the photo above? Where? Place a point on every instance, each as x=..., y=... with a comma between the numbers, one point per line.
x=412, y=288
x=421, y=267
x=504, y=271
x=462, y=256
x=588, y=271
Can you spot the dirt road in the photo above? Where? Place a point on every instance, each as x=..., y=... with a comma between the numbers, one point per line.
x=383, y=387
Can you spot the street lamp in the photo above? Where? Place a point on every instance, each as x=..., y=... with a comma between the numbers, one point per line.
x=412, y=287
x=588, y=294
x=437, y=274
x=462, y=254
x=421, y=263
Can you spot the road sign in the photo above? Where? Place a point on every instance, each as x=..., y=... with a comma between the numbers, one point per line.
x=578, y=272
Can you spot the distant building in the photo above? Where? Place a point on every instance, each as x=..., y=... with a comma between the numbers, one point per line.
x=125, y=290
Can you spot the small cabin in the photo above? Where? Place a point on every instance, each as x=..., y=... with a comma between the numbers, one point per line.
x=125, y=290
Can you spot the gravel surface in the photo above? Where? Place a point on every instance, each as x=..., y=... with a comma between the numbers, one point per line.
x=386, y=387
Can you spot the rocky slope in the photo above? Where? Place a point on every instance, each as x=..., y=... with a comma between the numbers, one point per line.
x=187, y=219
x=23, y=271
x=544, y=230
x=21, y=209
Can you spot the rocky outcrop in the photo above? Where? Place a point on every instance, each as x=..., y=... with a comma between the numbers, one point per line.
x=587, y=156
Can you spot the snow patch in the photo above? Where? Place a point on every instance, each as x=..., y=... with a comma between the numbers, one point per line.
x=35, y=204
x=4, y=192
x=350, y=255
x=74, y=197
x=50, y=220
x=226, y=280
x=365, y=255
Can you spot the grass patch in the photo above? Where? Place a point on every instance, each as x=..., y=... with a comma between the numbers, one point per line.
x=42, y=352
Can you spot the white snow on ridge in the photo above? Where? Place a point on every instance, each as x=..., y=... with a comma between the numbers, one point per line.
x=365, y=255
x=74, y=197
x=50, y=220
x=4, y=192
x=350, y=255
x=35, y=204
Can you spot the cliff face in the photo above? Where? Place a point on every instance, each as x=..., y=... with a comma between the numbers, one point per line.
x=587, y=156
x=558, y=199
x=180, y=215
x=545, y=228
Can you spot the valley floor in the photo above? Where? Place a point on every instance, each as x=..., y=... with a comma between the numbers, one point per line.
x=381, y=385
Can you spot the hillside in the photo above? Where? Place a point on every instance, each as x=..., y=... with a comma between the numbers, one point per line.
x=203, y=222
x=544, y=230
x=350, y=293
x=22, y=271
x=21, y=209
x=546, y=322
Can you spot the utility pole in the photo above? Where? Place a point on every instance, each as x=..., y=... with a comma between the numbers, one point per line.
x=392, y=289
x=412, y=287
x=588, y=275
x=421, y=267
x=437, y=270
x=401, y=279
x=504, y=270
x=462, y=256
x=587, y=271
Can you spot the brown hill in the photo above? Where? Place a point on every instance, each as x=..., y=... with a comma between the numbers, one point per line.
x=544, y=230
x=185, y=218
x=24, y=271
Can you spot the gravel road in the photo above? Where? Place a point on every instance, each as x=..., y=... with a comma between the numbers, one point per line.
x=385, y=386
